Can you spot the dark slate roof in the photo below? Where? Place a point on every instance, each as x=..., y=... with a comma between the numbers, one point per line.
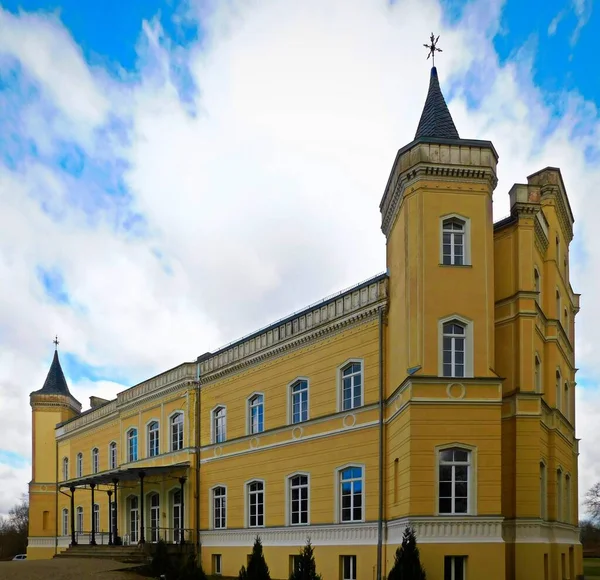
x=436, y=120
x=55, y=383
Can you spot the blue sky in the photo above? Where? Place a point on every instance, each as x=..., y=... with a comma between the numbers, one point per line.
x=175, y=175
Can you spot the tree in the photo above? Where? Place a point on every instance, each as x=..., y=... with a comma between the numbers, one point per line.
x=13, y=530
x=306, y=568
x=257, y=566
x=407, y=564
x=592, y=501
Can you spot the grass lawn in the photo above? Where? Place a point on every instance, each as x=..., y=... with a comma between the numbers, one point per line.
x=591, y=568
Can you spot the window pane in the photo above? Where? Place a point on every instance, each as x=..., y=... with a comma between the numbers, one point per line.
x=460, y=489
x=461, y=472
x=446, y=489
x=447, y=455
x=445, y=505
x=460, y=506
x=445, y=473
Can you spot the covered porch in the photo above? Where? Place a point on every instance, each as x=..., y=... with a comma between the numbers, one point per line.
x=141, y=504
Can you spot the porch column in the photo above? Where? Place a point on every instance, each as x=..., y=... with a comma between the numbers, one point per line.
x=109, y=494
x=182, y=532
x=115, y=528
x=73, y=540
x=142, y=474
x=93, y=540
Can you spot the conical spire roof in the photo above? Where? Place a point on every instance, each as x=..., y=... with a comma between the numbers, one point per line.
x=436, y=120
x=55, y=383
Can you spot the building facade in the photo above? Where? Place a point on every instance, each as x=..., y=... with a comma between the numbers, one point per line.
x=439, y=395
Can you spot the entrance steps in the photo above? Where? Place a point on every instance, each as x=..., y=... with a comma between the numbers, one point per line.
x=125, y=554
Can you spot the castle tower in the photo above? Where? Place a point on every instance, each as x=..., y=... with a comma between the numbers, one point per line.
x=445, y=416
x=51, y=404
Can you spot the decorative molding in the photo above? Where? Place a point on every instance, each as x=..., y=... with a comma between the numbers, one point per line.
x=536, y=531
x=448, y=530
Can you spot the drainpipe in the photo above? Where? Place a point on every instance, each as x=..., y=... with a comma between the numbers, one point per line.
x=56, y=502
x=197, y=424
x=381, y=413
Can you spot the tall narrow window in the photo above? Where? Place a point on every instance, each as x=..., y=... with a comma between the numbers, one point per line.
x=559, y=496
x=65, y=468
x=96, y=516
x=257, y=414
x=558, y=389
x=219, y=508
x=95, y=460
x=558, y=308
x=348, y=565
x=453, y=251
x=65, y=522
x=454, y=346
x=455, y=567
x=177, y=432
x=79, y=520
x=298, y=500
x=453, y=494
x=256, y=504
x=351, y=494
x=543, y=492
x=352, y=386
x=153, y=439
x=113, y=455
x=557, y=252
x=566, y=402
x=537, y=376
x=568, y=499
x=299, y=401
x=154, y=517
x=132, y=445
x=537, y=285
x=219, y=424
x=134, y=519
x=79, y=465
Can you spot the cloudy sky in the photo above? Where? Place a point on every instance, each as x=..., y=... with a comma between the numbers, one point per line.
x=173, y=175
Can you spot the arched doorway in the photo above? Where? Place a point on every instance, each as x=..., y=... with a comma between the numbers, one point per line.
x=134, y=519
x=154, y=517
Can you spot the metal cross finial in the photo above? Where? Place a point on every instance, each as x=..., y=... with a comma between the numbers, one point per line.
x=56, y=343
x=432, y=47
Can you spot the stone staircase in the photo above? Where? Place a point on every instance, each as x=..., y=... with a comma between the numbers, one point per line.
x=126, y=554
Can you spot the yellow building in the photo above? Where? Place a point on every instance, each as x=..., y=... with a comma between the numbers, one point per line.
x=439, y=394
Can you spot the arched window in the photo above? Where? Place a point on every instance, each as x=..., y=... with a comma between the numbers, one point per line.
x=95, y=460
x=566, y=402
x=65, y=468
x=79, y=465
x=559, y=495
x=558, y=389
x=79, y=520
x=298, y=499
x=543, y=492
x=177, y=432
x=453, y=242
x=112, y=448
x=132, y=445
x=454, y=466
x=154, y=517
x=256, y=414
x=558, y=306
x=352, y=386
x=219, y=508
x=96, y=517
x=537, y=380
x=299, y=401
x=454, y=348
x=568, y=499
x=537, y=285
x=351, y=494
x=256, y=504
x=153, y=439
x=219, y=424
x=65, y=522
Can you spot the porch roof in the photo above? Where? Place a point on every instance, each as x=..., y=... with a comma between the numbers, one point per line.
x=129, y=474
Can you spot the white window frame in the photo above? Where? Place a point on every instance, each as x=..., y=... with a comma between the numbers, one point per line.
x=130, y=457
x=537, y=374
x=340, y=383
x=558, y=389
x=247, y=502
x=568, y=499
x=290, y=401
x=338, y=492
x=171, y=424
x=466, y=238
x=95, y=460
x=560, y=498
x=468, y=324
x=288, y=498
x=148, y=438
x=543, y=490
x=217, y=564
x=453, y=560
x=113, y=458
x=249, y=407
x=79, y=465
x=537, y=284
x=353, y=565
x=79, y=519
x=213, y=424
x=96, y=517
x=65, y=521
x=471, y=478
x=65, y=466
x=212, y=507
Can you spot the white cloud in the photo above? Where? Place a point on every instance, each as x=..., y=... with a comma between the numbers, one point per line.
x=261, y=199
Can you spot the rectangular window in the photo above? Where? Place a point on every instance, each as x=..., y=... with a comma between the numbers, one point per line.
x=177, y=432
x=65, y=522
x=454, y=339
x=299, y=500
x=153, y=439
x=455, y=567
x=96, y=517
x=295, y=561
x=79, y=526
x=95, y=461
x=132, y=454
x=349, y=568
x=351, y=494
x=219, y=424
x=113, y=455
x=351, y=386
x=217, y=569
x=79, y=465
x=257, y=414
x=256, y=504
x=453, y=250
x=300, y=401
x=219, y=508
x=453, y=481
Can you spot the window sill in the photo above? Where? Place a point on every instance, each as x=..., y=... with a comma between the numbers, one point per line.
x=459, y=266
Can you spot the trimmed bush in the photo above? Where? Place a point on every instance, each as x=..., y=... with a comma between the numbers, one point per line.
x=407, y=564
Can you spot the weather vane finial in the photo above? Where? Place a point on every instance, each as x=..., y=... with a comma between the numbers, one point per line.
x=432, y=47
x=56, y=343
